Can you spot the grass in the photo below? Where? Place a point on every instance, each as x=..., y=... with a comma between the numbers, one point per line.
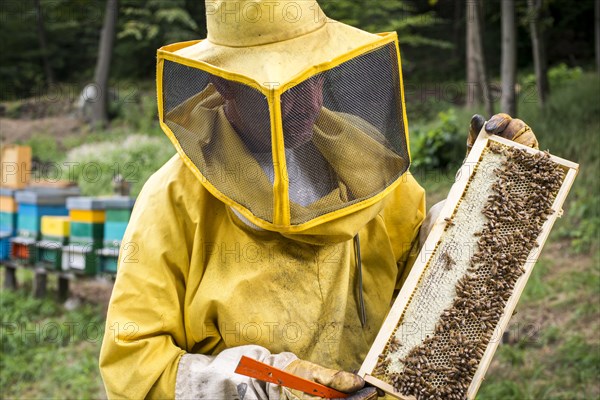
x=47, y=351
x=554, y=347
x=554, y=350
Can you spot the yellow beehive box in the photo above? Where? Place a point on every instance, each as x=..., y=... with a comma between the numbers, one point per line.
x=88, y=216
x=55, y=226
x=15, y=167
x=8, y=204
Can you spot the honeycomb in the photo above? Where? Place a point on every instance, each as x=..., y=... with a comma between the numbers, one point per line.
x=453, y=313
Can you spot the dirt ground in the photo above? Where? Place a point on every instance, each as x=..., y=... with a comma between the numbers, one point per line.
x=19, y=130
x=56, y=117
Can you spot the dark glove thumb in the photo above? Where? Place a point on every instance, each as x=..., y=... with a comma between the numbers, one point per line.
x=477, y=122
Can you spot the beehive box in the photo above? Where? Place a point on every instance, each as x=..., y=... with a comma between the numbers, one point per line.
x=48, y=254
x=118, y=212
x=108, y=260
x=445, y=325
x=8, y=210
x=34, y=203
x=4, y=245
x=80, y=259
x=30, y=215
x=87, y=221
x=55, y=226
x=22, y=250
x=113, y=233
x=15, y=166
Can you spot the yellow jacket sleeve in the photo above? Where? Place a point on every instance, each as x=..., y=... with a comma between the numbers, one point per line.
x=144, y=336
x=404, y=213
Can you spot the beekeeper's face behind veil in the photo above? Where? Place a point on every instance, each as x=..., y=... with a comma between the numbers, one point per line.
x=300, y=109
x=292, y=119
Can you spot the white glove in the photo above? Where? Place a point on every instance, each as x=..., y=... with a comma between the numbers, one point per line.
x=213, y=377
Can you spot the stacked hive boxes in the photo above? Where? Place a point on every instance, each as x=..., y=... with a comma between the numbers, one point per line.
x=8, y=221
x=86, y=231
x=118, y=212
x=55, y=234
x=32, y=205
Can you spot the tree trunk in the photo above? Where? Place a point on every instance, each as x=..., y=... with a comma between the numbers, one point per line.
x=43, y=46
x=107, y=37
x=597, y=23
x=477, y=82
x=538, y=44
x=473, y=90
x=509, y=58
x=457, y=28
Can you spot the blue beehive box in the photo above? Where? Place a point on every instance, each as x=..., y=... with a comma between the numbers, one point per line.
x=5, y=245
x=35, y=203
x=30, y=215
x=114, y=231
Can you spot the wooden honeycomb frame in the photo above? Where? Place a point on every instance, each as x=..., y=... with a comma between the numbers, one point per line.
x=430, y=256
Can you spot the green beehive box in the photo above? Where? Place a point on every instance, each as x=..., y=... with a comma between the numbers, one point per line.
x=84, y=230
x=108, y=259
x=118, y=215
x=49, y=254
x=79, y=259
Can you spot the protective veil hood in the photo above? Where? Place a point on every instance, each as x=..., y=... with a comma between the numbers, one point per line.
x=295, y=121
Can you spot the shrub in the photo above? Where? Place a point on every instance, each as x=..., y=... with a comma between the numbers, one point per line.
x=557, y=76
x=440, y=146
x=138, y=112
x=44, y=148
x=135, y=159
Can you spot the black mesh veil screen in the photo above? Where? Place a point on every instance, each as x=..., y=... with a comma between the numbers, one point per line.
x=344, y=134
x=224, y=129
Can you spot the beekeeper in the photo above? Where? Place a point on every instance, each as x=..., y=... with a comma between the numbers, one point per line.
x=288, y=218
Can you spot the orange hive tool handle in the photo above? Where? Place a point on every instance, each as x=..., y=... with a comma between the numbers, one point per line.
x=255, y=369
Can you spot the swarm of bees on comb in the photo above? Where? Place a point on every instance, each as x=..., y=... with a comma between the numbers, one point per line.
x=444, y=364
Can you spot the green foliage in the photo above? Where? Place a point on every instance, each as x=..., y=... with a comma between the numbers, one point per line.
x=71, y=28
x=568, y=127
x=46, y=351
x=155, y=19
x=566, y=371
x=44, y=148
x=536, y=288
x=386, y=16
x=140, y=115
x=440, y=145
x=557, y=76
x=135, y=159
x=561, y=74
x=146, y=25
